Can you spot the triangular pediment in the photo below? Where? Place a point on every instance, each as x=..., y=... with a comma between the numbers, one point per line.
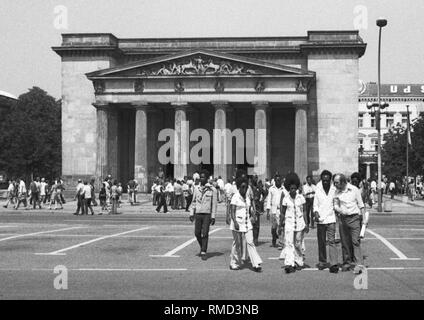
x=199, y=63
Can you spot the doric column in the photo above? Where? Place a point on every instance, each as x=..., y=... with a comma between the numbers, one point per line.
x=221, y=156
x=182, y=139
x=102, y=140
x=301, y=143
x=141, y=150
x=113, y=152
x=262, y=140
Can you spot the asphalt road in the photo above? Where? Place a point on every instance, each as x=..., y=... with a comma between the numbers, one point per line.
x=140, y=254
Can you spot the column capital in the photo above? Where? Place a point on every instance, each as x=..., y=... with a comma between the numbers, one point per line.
x=260, y=104
x=180, y=105
x=140, y=105
x=220, y=104
x=301, y=104
x=101, y=105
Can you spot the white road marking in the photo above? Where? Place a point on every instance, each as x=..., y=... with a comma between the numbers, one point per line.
x=400, y=255
x=37, y=233
x=171, y=254
x=113, y=269
x=61, y=251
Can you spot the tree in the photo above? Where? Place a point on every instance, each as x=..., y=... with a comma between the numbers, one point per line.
x=417, y=137
x=393, y=153
x=31, y=136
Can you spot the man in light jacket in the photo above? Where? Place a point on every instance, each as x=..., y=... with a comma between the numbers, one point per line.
x=326, y=222
x=203, y=211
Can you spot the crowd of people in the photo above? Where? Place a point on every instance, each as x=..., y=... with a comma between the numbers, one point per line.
x=39, y=193
x=291, y=207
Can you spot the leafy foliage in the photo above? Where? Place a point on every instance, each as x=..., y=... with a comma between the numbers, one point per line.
x=394, y=150
x=30, y=136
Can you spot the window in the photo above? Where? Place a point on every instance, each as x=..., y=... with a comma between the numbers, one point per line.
x=361, y=120
x=389, y=120
x=361, y=143
x=373, y=122
x=374, y=144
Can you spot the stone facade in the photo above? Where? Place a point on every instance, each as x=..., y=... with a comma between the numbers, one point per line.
x=118, y=94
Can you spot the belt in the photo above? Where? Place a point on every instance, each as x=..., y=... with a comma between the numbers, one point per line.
x=349, y=215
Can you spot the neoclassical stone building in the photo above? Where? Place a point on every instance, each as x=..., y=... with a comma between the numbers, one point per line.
x=118, y=94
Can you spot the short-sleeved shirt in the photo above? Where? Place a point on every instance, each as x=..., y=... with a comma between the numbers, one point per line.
x=294, y=220
x=350, y=200
x=242, y=213
x=309, y=191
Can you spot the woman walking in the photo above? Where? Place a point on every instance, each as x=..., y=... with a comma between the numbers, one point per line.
x=241, y=226
x=293, y=217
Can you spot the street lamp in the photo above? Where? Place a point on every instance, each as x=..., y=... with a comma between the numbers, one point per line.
x=381, y=23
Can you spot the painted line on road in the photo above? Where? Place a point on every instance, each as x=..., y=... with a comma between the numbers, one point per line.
x=61, y=251
x=400, y=255
x=37, y=233
x=171, y=254
x=112, y=269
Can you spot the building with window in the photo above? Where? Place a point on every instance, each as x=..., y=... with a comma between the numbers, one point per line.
x=398, y=96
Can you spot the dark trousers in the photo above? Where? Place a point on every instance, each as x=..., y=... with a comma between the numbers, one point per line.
x=310, y=211
x=35, y=200
x=201, y=230
x=327, y=232
x=189, y=199
x=87, y=205
x=256, y=226
x=80, y=205
x=350, y=229
x=162, y=203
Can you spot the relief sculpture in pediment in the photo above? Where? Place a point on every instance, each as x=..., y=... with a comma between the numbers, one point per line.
x=198, y=66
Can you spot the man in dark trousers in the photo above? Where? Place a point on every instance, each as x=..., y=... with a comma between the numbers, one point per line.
x=162, y=198
x=203, y=211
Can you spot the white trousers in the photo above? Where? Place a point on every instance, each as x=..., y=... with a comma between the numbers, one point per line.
x=293, y=252
x=237, y=249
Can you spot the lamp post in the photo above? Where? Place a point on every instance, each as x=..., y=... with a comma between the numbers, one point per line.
x=381, y=23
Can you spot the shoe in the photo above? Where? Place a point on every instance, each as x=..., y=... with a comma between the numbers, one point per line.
x=298, y=268
x=234, y=268
x=5, y=207
x=257, y=269
x=274, y=244
x=358, y=269
x=334, y=269
x=101, y=213
x=322, y=266
x=289, y=269
x=346, y=267
x=203, y=256
x=306, y=266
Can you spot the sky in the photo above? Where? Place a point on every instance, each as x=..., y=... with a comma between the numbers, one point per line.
x=29, y=28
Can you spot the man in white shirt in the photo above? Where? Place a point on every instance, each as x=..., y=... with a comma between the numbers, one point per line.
x=326, y=222
x=43, y=185
x=79, y=196
x=86, y=195
x=220, y=189
x=349, y=206
x=273, y=207
x=308, y=191
x=22, y=194
x=10, y=194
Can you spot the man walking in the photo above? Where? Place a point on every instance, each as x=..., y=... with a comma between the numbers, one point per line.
x=349, y=206
x=203, y=211
x=79, y=197
x=10, y=194
x=309, y=193
x=326, y=222
x=87, y=194
x=273, y=207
